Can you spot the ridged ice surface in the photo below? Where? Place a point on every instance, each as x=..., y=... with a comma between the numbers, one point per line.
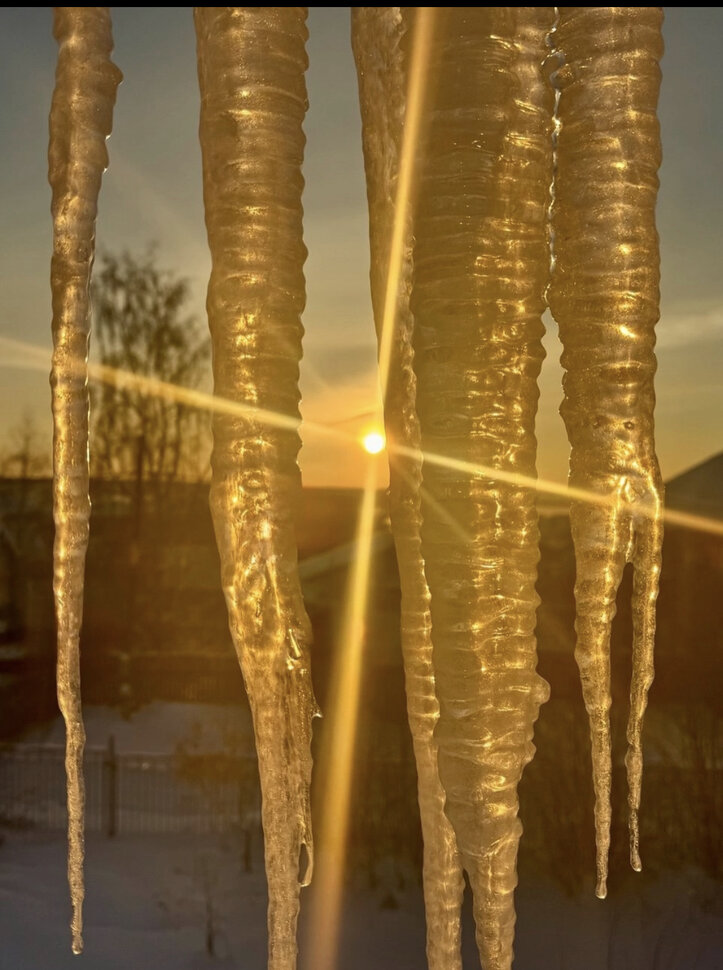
x=251, y=64
x=377, y=39
x=604, y=295
x=480, y=269
x=80, y=121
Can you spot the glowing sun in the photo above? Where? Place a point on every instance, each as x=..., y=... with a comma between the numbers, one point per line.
x=373, y=442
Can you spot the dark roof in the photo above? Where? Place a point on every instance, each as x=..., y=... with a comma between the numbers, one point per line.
x=698, y=490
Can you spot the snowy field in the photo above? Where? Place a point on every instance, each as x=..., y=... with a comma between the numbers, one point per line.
x=152, y=900
x=158, y=728
x=148, y=898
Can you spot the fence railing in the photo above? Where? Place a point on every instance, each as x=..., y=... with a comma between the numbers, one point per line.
x=130, y=793
x=218, y=792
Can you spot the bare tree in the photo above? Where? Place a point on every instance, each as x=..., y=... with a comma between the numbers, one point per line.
x=142, y=326
x=145, y=440
x=25, y=454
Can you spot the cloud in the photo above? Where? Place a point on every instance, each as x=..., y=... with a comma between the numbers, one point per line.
x=349, y=401
x=348, y=407
x=347, y=361
x=683, y=328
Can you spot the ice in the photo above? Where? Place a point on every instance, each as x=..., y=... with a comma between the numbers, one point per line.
x=480, y=269
x=604, y=295
x=251, y=63
x=466, y=354
x=80, y=121
x=377, y=39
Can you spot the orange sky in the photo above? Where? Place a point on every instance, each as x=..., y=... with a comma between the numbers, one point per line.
x=152, y=193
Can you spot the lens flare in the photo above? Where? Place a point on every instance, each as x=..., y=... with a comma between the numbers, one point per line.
x=374, y=442
x=19, y=355
x=336, y=763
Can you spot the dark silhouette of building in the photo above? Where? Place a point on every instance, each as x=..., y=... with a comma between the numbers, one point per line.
x=155, y=624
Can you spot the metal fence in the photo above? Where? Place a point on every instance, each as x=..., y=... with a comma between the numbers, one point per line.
x=207, y=793
x=218, y=792
x=130, y=793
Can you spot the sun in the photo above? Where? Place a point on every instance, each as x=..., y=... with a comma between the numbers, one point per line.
x=374, y=442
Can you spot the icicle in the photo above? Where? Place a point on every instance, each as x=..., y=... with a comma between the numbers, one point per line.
x=251, y=64
x=480, y=268
x=377, y=34
x=80, y=121
x=604, y=295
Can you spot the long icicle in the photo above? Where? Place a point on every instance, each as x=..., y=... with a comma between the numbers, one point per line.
x=377, y=37
x=605, y=296
x=81, y=117
x=251, y=64
x=480, y=269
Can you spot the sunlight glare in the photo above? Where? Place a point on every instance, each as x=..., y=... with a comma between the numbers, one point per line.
x=336, y=759
x=25, y=356
x=374, y=442
x=342, y=727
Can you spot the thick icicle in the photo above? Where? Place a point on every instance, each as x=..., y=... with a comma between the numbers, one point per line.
x=80, y=121
x=604, y=295
x=251, y=64
x=480, y=269
x=377, y=34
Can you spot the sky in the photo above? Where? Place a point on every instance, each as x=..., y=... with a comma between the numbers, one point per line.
x=152, y=193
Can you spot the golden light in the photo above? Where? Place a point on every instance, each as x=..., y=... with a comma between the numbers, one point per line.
x=374, y=442
x=338, y=751
x=24, y=356
x=336, y=758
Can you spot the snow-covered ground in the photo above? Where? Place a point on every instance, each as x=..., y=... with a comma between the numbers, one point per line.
x=148, y=897
x=158, y=728
x=147, y=900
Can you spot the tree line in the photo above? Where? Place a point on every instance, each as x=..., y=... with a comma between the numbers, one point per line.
x=141, y=325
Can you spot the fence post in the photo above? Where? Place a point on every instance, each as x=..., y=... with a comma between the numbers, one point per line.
x=111, y=770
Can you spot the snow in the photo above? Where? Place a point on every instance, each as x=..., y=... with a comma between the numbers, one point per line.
x=146, y=908
x=146, y=898
x=158, y=728
x=150, y=796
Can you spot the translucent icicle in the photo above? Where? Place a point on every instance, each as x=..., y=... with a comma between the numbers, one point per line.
x=604, y=295
x=481, y=265
x=377, y=34
x=80, y=121
x=251, y=64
